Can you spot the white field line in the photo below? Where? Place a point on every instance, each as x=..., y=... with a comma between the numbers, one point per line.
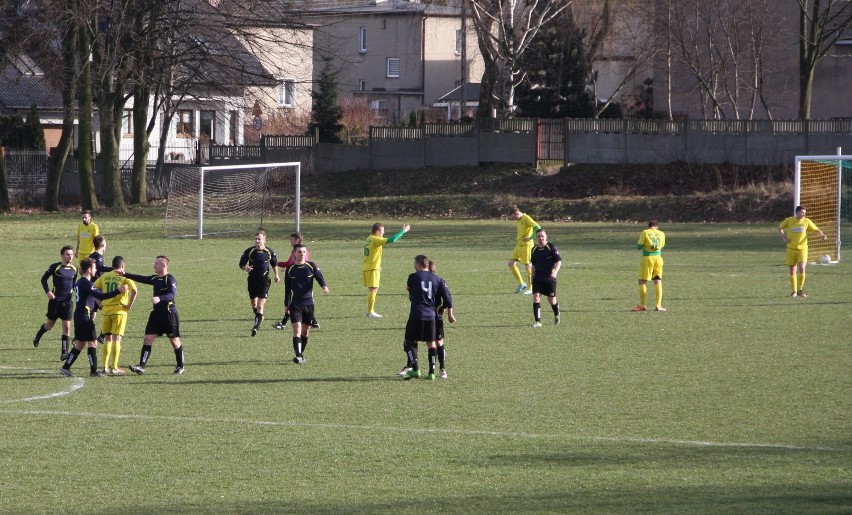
x=75, y=384
x=78, y=383
x=463, y=432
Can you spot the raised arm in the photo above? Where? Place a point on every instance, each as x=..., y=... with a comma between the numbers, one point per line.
x=405, y=229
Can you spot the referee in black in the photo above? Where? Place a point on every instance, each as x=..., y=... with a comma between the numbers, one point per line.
x=546, y=263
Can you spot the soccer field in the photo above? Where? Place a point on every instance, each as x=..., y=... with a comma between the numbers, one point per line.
x=736, y=400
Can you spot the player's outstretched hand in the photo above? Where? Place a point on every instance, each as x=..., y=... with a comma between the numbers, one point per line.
x=406, y=228
x=325, y=289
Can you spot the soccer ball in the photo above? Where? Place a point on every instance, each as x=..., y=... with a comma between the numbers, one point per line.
x=824, y=260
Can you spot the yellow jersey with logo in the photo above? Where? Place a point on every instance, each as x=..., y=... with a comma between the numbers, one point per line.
x=797, y=231
x=111, y=281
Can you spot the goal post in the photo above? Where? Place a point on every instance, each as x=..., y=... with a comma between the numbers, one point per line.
x=822, y=185
x=214, y=200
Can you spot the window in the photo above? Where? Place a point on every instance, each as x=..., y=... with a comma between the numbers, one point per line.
x=234, y=127
x=362, y=85
x=362, y=39
x=287, y=93
x=207, y=127
x=127, y=122
x=186, y=122
x=377, y=107
x=393, y=67
x=458, y=42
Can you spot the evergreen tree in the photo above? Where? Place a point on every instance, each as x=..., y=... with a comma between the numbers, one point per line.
x=34, y=132
x=327, y=113
x=559, y=69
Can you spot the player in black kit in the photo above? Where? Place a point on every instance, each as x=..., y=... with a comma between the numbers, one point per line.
x=84, y=323
x=164, y=316
x=60, y=305
x=258, y=260
x=298, y=289
x=425, y=291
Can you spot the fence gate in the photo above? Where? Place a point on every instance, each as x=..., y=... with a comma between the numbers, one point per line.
x=550, y=141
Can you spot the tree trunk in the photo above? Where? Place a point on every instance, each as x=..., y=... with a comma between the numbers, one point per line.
x=88, y=197
x=4, y=183
x=139, y=179
x=69, y=90
x=806, y=62
x=110, y=111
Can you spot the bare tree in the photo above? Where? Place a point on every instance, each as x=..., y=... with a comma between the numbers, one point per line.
x=504, y=30
x=821, y=25
x=721, y=47
x=621, y=37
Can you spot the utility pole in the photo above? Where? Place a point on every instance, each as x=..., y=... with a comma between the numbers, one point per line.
x=462, y=96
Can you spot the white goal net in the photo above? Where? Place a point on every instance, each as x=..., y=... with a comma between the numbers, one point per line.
x=823, y=187
x=239, y=199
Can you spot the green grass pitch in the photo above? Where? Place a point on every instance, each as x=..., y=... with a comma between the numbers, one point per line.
x=737, y=400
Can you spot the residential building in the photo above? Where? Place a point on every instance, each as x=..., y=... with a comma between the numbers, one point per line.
x=23, y=84
x=396, y=56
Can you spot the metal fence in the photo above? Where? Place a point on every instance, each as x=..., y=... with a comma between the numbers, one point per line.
x=640, y=126
x=26, y=171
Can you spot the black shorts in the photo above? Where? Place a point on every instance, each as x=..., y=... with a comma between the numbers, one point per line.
x=163, y=322
x=57, y=309
x=84, y=329
x=420, y=330
x=302, y=313
x=439, y=329
x=546, y=287
x=259, y=288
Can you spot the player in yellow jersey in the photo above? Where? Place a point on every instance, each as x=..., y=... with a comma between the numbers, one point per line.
x=651, y=242
x=372, y=265
x=794, y=232
x=86, y=232
x=527, y=228
x=115, y=312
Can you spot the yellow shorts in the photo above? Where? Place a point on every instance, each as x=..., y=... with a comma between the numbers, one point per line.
x=372, y=278
x=114, y=324
x=651, y=267
x=522, y=253
x=795, y=256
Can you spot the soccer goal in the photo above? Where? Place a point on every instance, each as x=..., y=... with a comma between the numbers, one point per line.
x=211, y=200
x=823, y=186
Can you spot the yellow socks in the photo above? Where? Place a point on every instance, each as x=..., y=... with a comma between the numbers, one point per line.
x=643, y=294
x=108, y=348
x=517, y=274
x=116, y=352
x=371, y=301
x=658, y=288
x=801, y=281
x=793, y=283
